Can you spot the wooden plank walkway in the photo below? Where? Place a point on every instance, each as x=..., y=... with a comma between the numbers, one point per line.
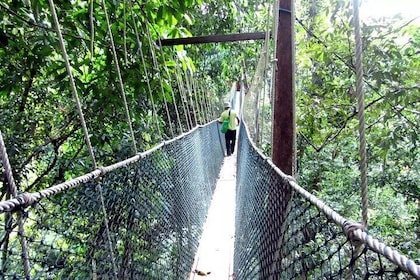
x=214, y=257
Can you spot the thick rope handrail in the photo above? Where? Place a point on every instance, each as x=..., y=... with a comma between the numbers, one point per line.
x=120, y=80
x=354, y=231
x=402, y=261
x=27, y=199
x=361, y=113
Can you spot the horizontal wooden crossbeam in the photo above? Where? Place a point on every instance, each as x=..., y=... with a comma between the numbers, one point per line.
x=213, y=39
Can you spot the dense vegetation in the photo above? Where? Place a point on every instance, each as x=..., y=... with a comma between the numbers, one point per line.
x=40, y=123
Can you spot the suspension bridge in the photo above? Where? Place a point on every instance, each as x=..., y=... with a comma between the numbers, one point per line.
x=142, y=218
x=150, y=215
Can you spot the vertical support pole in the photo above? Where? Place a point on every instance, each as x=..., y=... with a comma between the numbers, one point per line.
x=284, y=139
x=283, y=128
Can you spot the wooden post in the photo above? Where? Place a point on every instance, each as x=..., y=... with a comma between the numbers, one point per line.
x=283, y=141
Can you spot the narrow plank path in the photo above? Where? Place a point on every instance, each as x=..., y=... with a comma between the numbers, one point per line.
x=215, y=252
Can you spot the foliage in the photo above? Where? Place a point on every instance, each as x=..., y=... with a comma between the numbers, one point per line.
x=46, y=145
x=327, y=117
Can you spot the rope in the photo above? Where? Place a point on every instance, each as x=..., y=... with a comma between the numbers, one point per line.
x=206, y=103
x=114, y=52
x=165, y=67
x=145, y=69
x=92, y=30
x=184, y=100
x=201, y=102
x=156, y=67
x=27, y=199
x=361, y=114
x=72, y=83
x=75, y=95
x=172, y=95
x=354, y=231
x=266, y=66
x=189, y=94
x=125, y=32
x=108, y=234
x=13, y=190
x=7, y=167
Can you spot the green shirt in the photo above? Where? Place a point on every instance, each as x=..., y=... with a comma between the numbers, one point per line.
x=232, y=119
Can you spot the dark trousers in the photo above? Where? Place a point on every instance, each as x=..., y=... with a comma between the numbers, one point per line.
x=230, y=137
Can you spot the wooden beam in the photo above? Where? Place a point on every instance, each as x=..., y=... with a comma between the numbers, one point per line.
x=213, y=39
x=283, y=142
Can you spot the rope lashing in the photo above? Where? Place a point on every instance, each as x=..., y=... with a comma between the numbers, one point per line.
x=120, y=80
x=361, y=114
x=13, y=191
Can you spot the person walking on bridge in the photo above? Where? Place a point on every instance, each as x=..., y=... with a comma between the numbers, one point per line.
x=230, y=135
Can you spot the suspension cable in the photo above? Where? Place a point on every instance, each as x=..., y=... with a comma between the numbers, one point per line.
x=165, y=67
x=121, y=84
x=156, y=67
x=21, y=214
x=82, y=120
x=183, y=97
x=190, y=93
x=361, y=112
x=72, y=83
x=92, y=31
x=146, y=72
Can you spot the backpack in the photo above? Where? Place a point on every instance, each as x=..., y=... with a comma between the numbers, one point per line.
x=225, y=124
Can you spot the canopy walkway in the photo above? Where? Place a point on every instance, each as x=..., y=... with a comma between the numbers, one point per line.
x=142, y=218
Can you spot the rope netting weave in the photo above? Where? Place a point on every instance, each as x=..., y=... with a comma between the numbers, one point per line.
x=311, y=241
x=156, y=204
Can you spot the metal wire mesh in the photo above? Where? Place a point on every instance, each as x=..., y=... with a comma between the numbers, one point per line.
x=155, y=209
x=283, y=232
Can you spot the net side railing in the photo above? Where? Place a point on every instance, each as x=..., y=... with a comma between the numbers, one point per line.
x=309, y=241
x=155, y=206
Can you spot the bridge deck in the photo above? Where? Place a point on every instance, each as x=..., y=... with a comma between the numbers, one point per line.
x=215, y=253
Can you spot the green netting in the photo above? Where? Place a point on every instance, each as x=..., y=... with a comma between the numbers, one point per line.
x=283, y=232
x=155, y=209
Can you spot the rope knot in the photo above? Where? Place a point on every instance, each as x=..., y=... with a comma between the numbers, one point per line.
x=349, y=229
x=25, y=199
